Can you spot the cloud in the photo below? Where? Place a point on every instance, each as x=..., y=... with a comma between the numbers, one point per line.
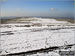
x=52, y=9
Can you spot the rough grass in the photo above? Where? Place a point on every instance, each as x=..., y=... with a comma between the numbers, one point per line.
x=69, y=20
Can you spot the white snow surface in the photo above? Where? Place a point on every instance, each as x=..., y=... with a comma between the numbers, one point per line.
x=23, y=39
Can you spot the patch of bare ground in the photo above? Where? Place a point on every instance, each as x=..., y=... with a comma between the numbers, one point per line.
x=68, y=20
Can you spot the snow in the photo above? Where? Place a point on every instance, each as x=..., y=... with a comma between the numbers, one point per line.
x=22, y=41
x=45, y=54
x=26, y=39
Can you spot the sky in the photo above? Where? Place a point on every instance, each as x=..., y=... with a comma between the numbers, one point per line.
x=50, y=8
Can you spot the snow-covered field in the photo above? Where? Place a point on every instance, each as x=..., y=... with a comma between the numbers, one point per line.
x=22, y=39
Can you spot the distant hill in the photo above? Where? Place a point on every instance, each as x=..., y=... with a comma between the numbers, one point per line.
x=4, y=20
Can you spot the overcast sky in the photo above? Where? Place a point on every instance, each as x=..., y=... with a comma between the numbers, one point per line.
x=62, y=8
